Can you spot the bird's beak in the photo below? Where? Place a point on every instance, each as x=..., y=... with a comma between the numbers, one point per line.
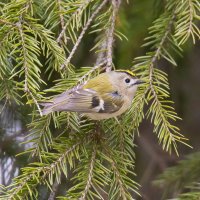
x=138, y=82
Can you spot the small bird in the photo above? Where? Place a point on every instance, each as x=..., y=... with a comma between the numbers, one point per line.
x=107, y=95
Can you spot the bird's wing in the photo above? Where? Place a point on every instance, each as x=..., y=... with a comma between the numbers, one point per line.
x=85, y=100
x=111, y=102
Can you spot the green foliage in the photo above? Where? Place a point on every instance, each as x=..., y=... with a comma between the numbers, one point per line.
x=189, y=196
x=162, y=41
x=183, y=176
x=187, y=12
x=38, y=41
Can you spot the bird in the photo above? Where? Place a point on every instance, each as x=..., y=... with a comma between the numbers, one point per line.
x=105, y=96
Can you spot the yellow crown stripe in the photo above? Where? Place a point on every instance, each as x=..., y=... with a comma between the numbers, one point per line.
x=126, y=71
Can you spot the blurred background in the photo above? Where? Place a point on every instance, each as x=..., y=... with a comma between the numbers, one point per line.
x=151, y=160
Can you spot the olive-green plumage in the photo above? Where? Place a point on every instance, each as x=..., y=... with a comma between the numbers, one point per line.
x=98, y=84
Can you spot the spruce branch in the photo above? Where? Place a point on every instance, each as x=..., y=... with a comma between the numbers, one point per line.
x=101, y=55
x=136, y=114
x=185, y=175
x=153, y=60
x=110, y=34
x=54, y=53
x=106, y=28
x=119, y=180
x=60, y=161
x=193, y=195
x=5, y=68
x=25, y=67
x=9, y=90
x=90, y=175
x=74, y=15
x=102, y=163
x=93, y=69
x=85, y=28
x=25, y=184
x=121, y=184
x=156, y=92
x=161, y=115
x=6, y=35
x=3, y=21
x=191, y=14
x=187, y=12
x=28, y=64
x=159, y=49
x=35, y=101
x=42, y=135
x=62, y=21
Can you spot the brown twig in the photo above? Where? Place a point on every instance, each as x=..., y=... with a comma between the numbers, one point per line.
x=82, y=34
x=90, y=175
x=62, y=21
x=101, y=55
x=70, y=19
x=110, y=34
x=91, y=71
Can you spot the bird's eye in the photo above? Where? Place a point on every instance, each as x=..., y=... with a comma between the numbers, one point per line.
x=127, y=80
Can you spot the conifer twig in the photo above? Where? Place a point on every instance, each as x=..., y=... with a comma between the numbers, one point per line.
x=89, y=180
x=82, y=34
x=160, y=110
x=7, y=22
x=91, y=71
x=101, y=54
x=110, y=34
x=191, y=10
x=46, y=171
x=159, y=49
x=25, y=66
x=5, y=35
x=118, y=177
x=62, y=22
x=70, y=19
x=42, y=133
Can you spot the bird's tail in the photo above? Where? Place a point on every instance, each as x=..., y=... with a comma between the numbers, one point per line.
x=48, y=108
x=58, y=103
